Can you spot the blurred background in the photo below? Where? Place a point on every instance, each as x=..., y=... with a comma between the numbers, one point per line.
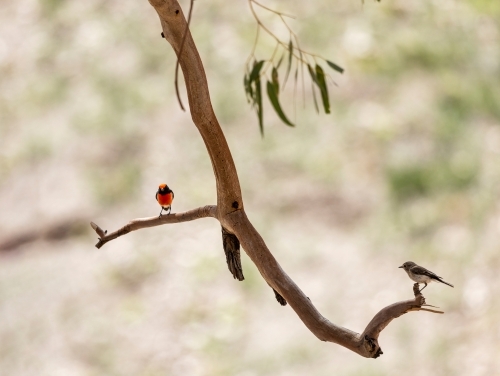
x=407, y=167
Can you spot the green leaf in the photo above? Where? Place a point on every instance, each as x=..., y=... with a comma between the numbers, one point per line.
x=248, y=88
x=314, y=80
x=321, y=82
x=290, y=56
x=312, y=74
x=276, y=82
x=314, y=97
x=258, y=102
x=279, y=62
x=273, y=97
x=257, y=66
x=335, y=66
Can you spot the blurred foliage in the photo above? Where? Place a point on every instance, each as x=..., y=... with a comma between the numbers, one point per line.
x=290, y=54
x=436, y=176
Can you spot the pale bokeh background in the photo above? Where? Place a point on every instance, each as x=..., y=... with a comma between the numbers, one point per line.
x=407, y=167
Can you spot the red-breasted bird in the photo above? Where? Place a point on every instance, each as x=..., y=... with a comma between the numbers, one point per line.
x=164, y=196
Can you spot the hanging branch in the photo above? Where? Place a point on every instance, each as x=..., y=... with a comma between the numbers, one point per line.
x=180, y=53
x=230, y=210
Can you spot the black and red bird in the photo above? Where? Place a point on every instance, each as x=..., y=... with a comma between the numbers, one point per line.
x=164, y=196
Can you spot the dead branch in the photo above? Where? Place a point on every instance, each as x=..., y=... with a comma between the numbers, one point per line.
x=230, y=210
x=389, y=313
x=139, y=223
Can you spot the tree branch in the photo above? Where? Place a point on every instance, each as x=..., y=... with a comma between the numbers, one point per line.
x=364, y=344
x=389, y=313
x=137, y=224
x=230, y=210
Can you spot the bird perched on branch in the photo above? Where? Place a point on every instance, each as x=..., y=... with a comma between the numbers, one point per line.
x=164, y=196
x=421, y=275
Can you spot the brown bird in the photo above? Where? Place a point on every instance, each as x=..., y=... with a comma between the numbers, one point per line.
x=421, y=275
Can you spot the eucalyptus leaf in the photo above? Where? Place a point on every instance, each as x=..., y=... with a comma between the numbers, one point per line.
x=258, y=102
x=274, y=76
x=314, y=80
x=290, y=56
x=280, y=60
x=335, y=66
x=321, y=82
x=273, y=98
x=314, y=97
x=248, y=89
x=256, y=70
x=312, y=73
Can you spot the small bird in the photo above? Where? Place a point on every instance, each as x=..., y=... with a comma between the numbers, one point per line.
x=164, y=196
x=421, y=275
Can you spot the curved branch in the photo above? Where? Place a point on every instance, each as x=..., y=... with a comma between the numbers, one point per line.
x=137, y=224
x=386, y=315
x=230, y=210
x=364, y=344
x=389, y=313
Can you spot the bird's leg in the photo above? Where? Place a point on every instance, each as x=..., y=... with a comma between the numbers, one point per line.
x=161, y=211
x=169, y=209
x=423, y=287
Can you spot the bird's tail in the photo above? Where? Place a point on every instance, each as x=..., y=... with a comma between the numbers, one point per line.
x=231, y=246
x=446, y=283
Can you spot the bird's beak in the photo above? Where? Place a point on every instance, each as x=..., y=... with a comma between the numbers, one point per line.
x=400, y=266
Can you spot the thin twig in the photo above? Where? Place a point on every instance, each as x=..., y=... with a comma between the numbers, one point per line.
x=270, y=61
x=261, y=24
x=137, y=224
x=430, y=310
x=281, y=14
x=301, y=56
x=179, y=55
x=252, y=54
